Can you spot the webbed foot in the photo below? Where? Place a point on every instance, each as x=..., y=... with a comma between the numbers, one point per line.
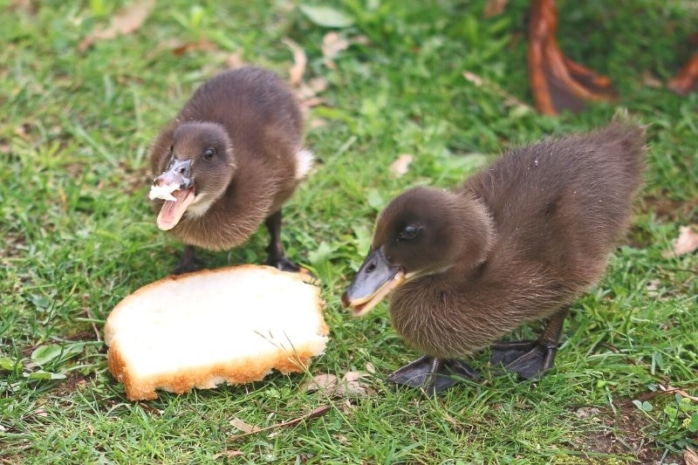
x=525, y=358
x=531, y=358
x=432, y=374
x=283, y=263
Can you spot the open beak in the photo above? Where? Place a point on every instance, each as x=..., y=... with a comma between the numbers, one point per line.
x=376, y=279
x=179, y=177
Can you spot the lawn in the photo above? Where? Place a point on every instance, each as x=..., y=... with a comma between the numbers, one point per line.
x=80, y=108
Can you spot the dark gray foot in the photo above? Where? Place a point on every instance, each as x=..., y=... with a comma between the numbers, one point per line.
x=434, y=375
x=275, y=249
x=188, y=262
x=527, y=359
x=283, y=263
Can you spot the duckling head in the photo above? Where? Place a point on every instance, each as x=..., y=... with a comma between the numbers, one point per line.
x=200, y=169
x=424, y=231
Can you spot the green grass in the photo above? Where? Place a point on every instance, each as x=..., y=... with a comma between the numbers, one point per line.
x=78, y=234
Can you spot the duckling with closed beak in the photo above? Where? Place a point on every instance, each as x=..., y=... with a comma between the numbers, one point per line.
x=228, y=162
x=517, y=243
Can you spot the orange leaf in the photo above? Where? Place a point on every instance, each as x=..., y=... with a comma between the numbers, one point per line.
x=687, y=242
x=299, y=63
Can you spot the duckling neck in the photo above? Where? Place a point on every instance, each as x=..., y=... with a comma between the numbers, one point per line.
x=477, y=232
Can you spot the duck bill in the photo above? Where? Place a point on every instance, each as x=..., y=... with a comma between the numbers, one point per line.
x=376, y=279
x=175, y=205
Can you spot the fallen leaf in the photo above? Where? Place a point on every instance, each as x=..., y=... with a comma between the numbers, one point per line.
x=24, y=5
x=307, y=92
x=317, y=123
x=650, y=80
x=299, y=62
x=509, y=100
x=318, y=412
x=234, y=60
x=203, y=45
x=686, y=242
x=370, y=368
x=682, y=393
x=229, y=453
x=690, y=456
x=332, y=44
x=586, y=412
x=401, y=164
x=327, y=16
x=350, y=385
x=323, y=382
x=126, y=21
x=494, y=8
x=242, y=426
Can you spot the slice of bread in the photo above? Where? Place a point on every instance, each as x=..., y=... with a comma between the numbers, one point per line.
x=200, y=329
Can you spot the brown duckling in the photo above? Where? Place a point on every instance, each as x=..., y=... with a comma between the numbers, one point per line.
x=229, y=160
x=518, y=242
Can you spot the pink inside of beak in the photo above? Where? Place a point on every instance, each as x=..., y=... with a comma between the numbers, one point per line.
x=173, y=210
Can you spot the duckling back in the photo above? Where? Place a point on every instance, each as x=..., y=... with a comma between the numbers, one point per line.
x=564, y=203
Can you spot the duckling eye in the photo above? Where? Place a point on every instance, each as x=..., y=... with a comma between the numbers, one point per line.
x=209, y=153
x=409, y=233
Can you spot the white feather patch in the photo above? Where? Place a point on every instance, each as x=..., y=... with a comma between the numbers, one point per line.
x=304, y=162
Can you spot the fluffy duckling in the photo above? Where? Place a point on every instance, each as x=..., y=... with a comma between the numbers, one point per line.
x=228, y=162
x=518, y=242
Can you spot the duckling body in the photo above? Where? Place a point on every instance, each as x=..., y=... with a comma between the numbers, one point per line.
x=518, y=242
x=235, y=153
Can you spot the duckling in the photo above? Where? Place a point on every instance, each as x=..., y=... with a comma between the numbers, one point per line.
x=516, y=243
x=228, y=162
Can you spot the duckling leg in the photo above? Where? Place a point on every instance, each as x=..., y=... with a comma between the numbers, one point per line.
x=188, y=262
x=531, y=358
x=433, y=374
x=275, y=250
x=558, y=83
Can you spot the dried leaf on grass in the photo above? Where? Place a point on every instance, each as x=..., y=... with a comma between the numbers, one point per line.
x=687, y=242
x=307, y=93
x=350, y=385
x=401, y=165
x=126, y=21
x=682, y=393
x=494, y=8
x=318, y=412
x=234, y=60
x=299, y=63
x=690, y=456
x=202, y=45
x=332, y=44
x=326, y=16
x=650, y=80
x=242, y=426
x=509, y=100
x=228, y=454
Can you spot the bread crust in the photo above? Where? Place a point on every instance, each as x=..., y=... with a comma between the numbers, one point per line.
x=207, y=375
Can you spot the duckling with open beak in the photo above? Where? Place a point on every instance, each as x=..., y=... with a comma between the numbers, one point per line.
x=517, y=243
x=228, y=162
